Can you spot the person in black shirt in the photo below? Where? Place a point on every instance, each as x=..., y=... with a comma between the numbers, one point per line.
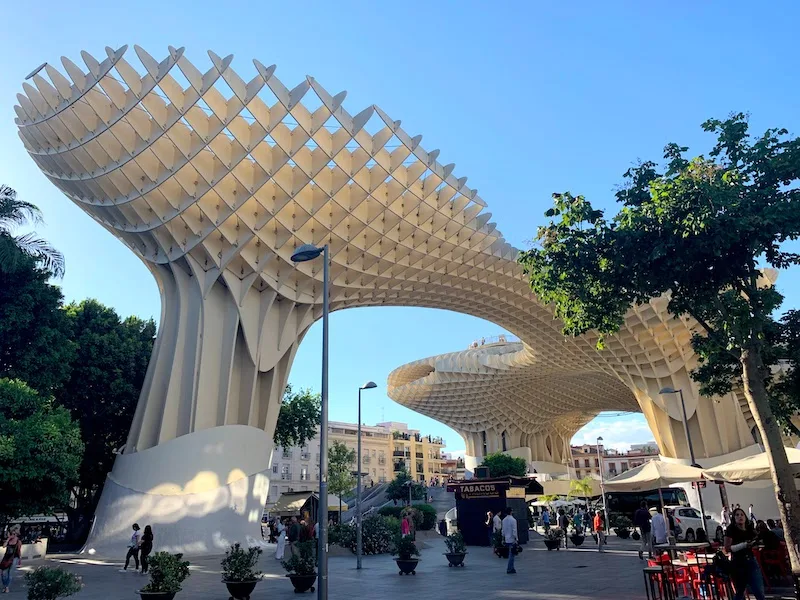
x=740, y=537
x=641, y=519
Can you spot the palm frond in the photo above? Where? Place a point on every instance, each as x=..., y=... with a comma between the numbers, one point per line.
x=15, y=212
x=40, y=250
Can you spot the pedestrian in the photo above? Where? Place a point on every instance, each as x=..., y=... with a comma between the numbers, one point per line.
x=659, y=528
x=509, y=532
x=641, y=519
x=405, y=526
x=294, y=534
x=280, y=537
x=726, y=516
x=600, y=529
x=133, y=548
x=752, y=515
x=563, y=523
x=146, y=548
x=577, y=521
x=497, y=521
x=12, y=554
x=740, y=537
x=546, y=519
x=489, y=525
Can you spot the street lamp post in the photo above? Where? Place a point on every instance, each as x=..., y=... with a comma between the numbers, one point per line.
x=370, y=385
x=602, y=484
x=305, y=253
x=669, y=390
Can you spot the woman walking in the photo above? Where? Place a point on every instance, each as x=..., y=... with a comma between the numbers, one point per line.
x=600, y=529
x=740, y=537
x=280, y=535
x=133, y=548
x=147, y=547
x=13, y=554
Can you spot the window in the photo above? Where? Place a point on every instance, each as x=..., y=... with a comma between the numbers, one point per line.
x=690, y=513
x=503, y=440
x=304, y=474
x=287, y=453
x=285, y=473
x=586, y=462
x=373, y=453
x=596, y=462
x=623, y=466
x=577, y=463
x=274, y=468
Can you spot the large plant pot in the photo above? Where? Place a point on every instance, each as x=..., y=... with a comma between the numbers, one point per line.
x=552, y=544
x=577, y=540
x=622, y=532
x=407, y=565
x=302, y=583
x=240, y=590
x=157, y=595
x=456, y=559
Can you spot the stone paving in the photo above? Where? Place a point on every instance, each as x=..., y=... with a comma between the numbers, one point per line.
x=541, y=575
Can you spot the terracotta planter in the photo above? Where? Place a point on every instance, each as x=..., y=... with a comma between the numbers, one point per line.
x=407, y=566
x=552, y=544
x=157, y=595
x=303, y=583
x=456, y=559
x=240, y=590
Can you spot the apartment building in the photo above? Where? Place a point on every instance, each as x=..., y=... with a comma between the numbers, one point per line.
x=297, y=469
x=585, y=461
x=615, y=462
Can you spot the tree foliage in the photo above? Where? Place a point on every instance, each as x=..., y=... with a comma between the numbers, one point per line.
x=40, y=452
x=700, y=231
x=340, y=470
x=298, y=420
x=581, y=488
x=398, y=487
x=102, y=390
x=503, y=465
x=15, y=248
x=35, y=344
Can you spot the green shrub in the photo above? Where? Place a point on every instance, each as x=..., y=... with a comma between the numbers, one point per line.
x=304, y=559
x=455, y=543
x=391, y=511
x=49, y=583
x=240, y=564
x=342, y=534
x=167, y=572
x=404, y=547
x=428, y=514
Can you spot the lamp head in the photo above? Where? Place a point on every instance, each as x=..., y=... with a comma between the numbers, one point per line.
x=600, y=439
x=668, y=390
x=306, y=252
x=370, y=385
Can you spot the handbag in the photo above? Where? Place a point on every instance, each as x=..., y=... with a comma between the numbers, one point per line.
x=516, y=548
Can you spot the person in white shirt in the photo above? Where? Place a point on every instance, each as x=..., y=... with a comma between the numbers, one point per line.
x=497, y=521
x=752, y=516
x=726, y=517
x=509, y=531
x=281, y=540
x=659, y=525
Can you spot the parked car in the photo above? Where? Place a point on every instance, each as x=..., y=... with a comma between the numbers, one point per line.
x=690, y=525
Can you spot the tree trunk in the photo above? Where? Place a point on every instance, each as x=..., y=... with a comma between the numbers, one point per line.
x=753, y=377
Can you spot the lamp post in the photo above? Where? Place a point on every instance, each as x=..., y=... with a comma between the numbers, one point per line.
x=669, y=390
x=305, y=253
x=370, y=385
x=602, y=484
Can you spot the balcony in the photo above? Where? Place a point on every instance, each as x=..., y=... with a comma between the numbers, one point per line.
x=305, y=456
x=401, y=453
x=287, y=454
x=286, y=476
x=420, y=455
x=398, y=467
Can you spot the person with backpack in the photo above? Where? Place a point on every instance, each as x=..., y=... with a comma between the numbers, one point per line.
x=12, y=554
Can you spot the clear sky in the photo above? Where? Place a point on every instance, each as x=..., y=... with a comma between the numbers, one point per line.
x=526, y=98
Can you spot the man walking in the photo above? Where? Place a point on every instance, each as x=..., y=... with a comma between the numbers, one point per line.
x=641, y=519
x=659, y=528
x=294, y=535
x=510, y=538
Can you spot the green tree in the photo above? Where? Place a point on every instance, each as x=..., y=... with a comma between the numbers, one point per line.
x=34, y=332
x=700, y=232
x=40, y=451
x=503, y=465
x=298, y=420
x=102, y=391
x=14, y=213
x=340, y=470
x=581, y=488
x=398, y=487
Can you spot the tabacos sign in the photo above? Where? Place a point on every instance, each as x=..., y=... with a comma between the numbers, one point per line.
x=480, y=490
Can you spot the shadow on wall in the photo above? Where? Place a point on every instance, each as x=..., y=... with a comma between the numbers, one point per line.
x=200, y=493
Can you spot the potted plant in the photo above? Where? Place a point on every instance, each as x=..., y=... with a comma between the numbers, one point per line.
x=405, y=549
x=552, y=539
x=239, y=571
x=456, y=549
x=302, y=566
x=50, y=583
x=576, y=536
x=498, y=546
x=167, y=572
x=622, y=527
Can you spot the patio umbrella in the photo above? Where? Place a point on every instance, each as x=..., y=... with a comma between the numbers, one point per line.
x=752, y=468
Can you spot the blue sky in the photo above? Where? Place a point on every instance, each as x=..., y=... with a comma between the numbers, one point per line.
x=526, y=98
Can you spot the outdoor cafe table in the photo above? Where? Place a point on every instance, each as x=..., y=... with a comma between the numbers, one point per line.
x=701, y=561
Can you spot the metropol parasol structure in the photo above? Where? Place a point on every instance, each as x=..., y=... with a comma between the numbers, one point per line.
x=213, y=182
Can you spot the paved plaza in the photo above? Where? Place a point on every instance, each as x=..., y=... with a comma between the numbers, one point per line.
x=563, y=575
